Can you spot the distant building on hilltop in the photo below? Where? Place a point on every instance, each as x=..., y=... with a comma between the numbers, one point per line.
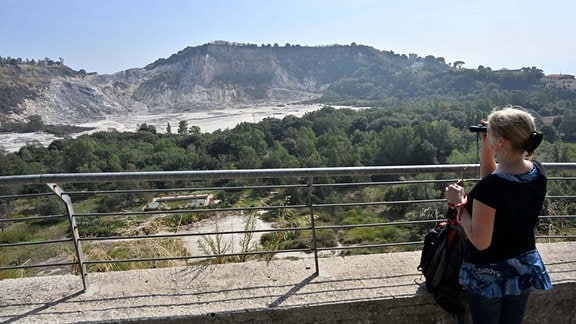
x=564, y=81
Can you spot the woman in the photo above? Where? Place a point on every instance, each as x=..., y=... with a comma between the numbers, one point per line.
x=501, y=264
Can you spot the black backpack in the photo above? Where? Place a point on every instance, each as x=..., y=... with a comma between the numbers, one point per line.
x=440, y=263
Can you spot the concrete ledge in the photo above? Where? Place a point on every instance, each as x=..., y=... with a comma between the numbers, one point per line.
x=542, y=308
x=359, y=289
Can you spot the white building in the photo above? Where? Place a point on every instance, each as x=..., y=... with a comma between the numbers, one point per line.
x=564, y=81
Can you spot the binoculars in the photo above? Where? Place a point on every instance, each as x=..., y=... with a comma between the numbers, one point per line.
x=480, y=128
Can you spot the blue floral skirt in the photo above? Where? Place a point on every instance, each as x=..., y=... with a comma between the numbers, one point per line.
x=513, y=276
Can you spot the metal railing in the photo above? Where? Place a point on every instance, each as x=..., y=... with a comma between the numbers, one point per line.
x=312, y=185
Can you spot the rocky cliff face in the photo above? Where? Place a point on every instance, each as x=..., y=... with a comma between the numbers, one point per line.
x=211, y=76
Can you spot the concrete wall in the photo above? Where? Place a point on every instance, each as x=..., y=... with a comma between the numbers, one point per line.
x=557, y=306
x=378, y=288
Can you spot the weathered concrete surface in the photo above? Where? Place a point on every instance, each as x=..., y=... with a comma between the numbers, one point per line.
x=383, y=288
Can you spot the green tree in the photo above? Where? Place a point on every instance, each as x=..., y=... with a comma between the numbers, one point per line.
x=35, y=123
x=5, y=164
x=279, y=157
x=79, y=155
x=248, y=159
x=336, y=149
x=147, y=128
x=182, y=127
x=567, y=126
x=306, y=149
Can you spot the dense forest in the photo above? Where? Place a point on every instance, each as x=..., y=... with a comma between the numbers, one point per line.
x=325, y=138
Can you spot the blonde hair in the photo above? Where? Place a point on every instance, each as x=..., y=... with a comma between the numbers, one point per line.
x=517, y=126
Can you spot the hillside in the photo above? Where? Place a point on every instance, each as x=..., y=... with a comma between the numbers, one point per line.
x=210, y=76
x=20, y=83
x=228, y=75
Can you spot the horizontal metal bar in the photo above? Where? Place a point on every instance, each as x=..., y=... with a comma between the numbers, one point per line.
x=369, y=246
x=562, y=197
x=233, y=188
x=227, y=174
x=556, y=237
x=351, y=247
x=44, y=265
x=186, y=257
x=377, y=203
x=171, y=235
x=25, y=196
x=558, y=216
x=183, y=211
x=380, y=224
x=247, y=173
x=31, y=218
x=388, y=183
x=35, y=243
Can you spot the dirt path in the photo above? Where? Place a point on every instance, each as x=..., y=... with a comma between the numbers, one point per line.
x=227, y=223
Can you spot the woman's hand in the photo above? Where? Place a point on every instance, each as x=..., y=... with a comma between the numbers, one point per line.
x=455, y=194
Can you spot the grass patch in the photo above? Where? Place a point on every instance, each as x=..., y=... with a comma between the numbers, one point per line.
x=125, y=250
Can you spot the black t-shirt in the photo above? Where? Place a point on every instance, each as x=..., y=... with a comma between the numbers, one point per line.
x=518, y=205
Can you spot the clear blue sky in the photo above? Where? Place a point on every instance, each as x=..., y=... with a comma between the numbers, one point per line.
x=108, y=36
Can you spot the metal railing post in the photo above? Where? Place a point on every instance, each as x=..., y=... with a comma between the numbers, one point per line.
x=313, y=225
x=74, y=229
